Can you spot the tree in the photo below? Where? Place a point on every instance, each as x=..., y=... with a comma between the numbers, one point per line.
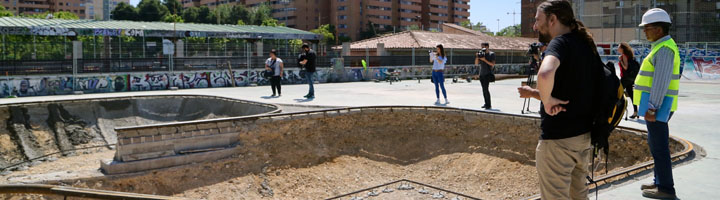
x=271, y=22
x=173, y=18
x=65, y=15
x=510, y=31
x=191, y=14
x=5, y=13
x=260, y=13
x=369, y=32
x=223, y=12
x=174, y=7
x=325, y=31
x=124, y=11
x=466, y=24
x=151, y=10
x=205, y=16
x=238, y=14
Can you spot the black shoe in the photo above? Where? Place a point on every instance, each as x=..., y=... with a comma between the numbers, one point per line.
x=273, y=95
x=488, y=108
x=484, y=106
x=634, y=116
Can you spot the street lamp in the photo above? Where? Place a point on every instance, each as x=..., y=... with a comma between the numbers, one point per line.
x=498, y=27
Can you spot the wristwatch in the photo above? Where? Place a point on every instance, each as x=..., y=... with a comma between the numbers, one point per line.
x=651, y=112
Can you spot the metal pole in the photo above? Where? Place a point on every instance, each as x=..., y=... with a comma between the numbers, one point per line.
x=143, y=44
x=34, y=49
x=4, y=51
x=413, y=56
x=247, y=59
x=120, y=47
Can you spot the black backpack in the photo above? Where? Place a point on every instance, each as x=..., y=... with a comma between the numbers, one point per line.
x=611, y=104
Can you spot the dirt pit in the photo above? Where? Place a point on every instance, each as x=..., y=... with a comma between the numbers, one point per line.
x=479, y=154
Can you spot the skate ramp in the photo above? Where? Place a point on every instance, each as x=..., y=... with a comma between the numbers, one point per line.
x=34, y=130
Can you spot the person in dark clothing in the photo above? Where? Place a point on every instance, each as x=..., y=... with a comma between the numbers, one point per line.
x=486, y=59
x=275, y=65
x=628, y=71
x=566, y=82
x=307, y=60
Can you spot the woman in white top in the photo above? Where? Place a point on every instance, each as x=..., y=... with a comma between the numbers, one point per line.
x=439, y=59
x=275, y=65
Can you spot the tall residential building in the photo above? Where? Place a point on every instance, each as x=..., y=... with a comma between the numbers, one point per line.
x=102, y=9
x=616, y=21
x=352, y=17
x=30, y=7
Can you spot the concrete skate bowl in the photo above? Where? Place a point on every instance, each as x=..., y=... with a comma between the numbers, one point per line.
x=330, y=153
x=42, y=131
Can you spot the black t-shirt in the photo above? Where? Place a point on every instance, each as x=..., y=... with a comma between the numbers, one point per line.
x=574, y=81
x=484, y=67
x=312, y=58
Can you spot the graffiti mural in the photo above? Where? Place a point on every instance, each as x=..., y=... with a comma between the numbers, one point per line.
x=95, y=84
x=707, y=67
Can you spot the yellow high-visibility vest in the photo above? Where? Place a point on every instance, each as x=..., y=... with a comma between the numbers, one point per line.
x=644, y=79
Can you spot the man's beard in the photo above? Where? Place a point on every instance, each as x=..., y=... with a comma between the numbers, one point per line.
x=544, y=37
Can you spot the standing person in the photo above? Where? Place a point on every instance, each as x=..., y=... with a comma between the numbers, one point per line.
x=566, y=83
x=438, y=59
x=660, y=77
x=277, y=66
x=628, y=71
x=486, y=59
x=308, y=61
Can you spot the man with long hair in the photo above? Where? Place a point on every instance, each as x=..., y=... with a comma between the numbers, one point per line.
x=566, y=83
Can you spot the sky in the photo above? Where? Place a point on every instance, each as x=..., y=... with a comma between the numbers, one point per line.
x=489, y=11
x=485, y=11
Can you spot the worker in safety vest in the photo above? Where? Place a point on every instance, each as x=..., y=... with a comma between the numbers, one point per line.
x=659, y=79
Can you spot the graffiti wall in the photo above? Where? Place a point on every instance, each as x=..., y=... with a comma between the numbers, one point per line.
x=698, y=63
x=22, y=86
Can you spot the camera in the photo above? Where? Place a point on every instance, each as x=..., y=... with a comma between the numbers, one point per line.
x=482, y=53
x=534, y=48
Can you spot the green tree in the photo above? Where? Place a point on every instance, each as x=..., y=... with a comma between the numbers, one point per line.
x=510, y=31
x=413, y=27
x=325, y=31
x=205, y=16
x=173, y=18
x=174, y=7
x=223, y=12
x=238, y=14
x=191, y=14
x=271, y=22
x=124, y=11
x=5, y=13
x=65, y=15
x=369, y=32
x=466, y=24
x=151, y=10
x=260, y=13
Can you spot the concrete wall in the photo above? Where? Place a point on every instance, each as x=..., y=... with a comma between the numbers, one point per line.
x=42, y=85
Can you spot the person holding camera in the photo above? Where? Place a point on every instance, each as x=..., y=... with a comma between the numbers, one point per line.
x=486, y=59
x=275, y=66
x=307, y=60
x=438, y=59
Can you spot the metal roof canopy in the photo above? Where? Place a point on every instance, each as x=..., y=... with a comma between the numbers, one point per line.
x=62, y=27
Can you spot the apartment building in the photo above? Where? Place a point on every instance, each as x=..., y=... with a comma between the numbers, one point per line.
x=351, y=17
x=616, y=21
x=30, y=7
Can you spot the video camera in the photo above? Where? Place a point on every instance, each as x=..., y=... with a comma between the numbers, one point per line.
x=482, y=53
x=534, y=48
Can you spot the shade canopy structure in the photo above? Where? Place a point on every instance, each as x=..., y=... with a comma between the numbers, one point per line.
x=63, y=27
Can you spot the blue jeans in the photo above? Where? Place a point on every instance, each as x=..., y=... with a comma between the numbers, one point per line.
x=309, y=78
x=439, y=79
x=658, y=141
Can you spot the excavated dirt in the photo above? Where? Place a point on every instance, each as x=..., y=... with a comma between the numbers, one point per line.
x=485, y=156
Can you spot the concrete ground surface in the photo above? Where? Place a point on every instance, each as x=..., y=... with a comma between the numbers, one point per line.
x=694, y=121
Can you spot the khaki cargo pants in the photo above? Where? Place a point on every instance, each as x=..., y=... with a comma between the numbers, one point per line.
x=562, y=166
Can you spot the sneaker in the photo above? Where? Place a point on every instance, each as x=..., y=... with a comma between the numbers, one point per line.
x=273, y=95
x=446, y=101
x=484, y=107
x=657, y=194
x=648, y=186
x=437, y=102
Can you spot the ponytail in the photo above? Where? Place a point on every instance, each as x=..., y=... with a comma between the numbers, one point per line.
x=580, y=29
x=564, y=13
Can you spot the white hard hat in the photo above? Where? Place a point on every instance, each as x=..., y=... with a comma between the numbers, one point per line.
x=655, y=15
